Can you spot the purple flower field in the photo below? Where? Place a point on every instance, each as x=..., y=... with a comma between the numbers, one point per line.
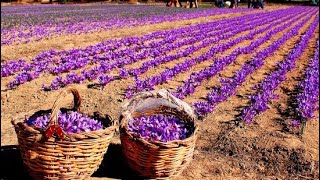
x=26, y=24
x=104, y=57
x=251, y=76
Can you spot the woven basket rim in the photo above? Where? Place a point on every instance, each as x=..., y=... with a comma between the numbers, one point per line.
x=124, y=129
x=20, y=120
x=173, y=143
x=18, y=123
x=183, y=108
x=36, y=128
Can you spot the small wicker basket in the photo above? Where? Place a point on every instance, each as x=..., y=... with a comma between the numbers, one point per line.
x=160, y=160
x=61, y=155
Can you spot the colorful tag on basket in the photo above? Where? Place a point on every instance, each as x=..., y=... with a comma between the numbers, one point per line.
x=54, y=129
x=49, y=131
x=59, y=132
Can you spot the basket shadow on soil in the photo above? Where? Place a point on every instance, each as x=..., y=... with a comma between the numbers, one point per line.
x=11, y=164
x=112, y=166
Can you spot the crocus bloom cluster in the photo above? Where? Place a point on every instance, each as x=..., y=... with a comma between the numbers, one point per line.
x=168, y=74
x=117, y=53
x=265, y=90
x=10, y=67
x=307, y=99
x=157, y=50
x=25, y=24
x=229, y=85
x=71, y=122
x=218, y=65
x=159, y=127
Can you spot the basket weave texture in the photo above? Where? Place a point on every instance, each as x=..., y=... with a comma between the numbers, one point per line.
x=159, y=160
x=74, y=156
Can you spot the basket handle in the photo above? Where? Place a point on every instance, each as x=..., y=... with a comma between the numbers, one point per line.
x=162, y=93
x=53, y=125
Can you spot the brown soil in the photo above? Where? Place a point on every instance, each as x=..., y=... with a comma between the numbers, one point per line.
x=265, y=149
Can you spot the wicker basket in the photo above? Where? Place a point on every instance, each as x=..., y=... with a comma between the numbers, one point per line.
x=157, y=159
x=62, y=156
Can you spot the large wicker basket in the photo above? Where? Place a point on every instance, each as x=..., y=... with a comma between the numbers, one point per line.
x=62, y=156
x=157, y=159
